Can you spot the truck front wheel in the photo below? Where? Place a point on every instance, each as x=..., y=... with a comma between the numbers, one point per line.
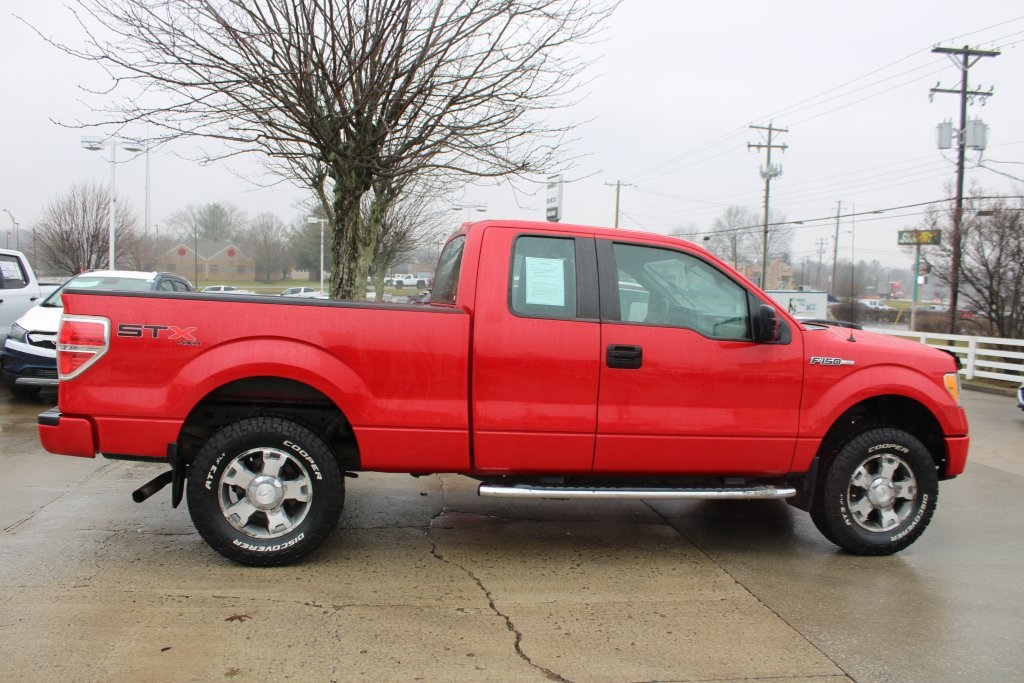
x=879, y=493
x=265, y=491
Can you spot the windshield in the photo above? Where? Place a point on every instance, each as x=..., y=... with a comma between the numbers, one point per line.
x=99, y=283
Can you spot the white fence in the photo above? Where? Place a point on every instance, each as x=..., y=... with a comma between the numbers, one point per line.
x=991, y=358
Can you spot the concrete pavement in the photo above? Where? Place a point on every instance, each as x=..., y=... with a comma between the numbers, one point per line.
x=426, y=581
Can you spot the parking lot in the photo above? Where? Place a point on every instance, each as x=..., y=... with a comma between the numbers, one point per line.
x=426, y=581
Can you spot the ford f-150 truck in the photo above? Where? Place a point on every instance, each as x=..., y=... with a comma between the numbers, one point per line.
x=552, y=361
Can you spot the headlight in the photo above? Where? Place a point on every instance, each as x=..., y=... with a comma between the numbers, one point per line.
x=18, y=333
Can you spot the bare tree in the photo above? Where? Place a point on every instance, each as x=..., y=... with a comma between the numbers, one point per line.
x=737, y=236
x=216, y=222
x=267, y=241
x=991, y=263
x=730, y=232
x=407, y=222
x=74, y=233
x=372, y=89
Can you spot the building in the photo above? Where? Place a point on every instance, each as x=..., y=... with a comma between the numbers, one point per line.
x=780, y=274
x=209, y=261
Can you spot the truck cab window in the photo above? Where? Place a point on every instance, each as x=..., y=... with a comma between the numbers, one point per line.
x=543, y=280
x=673, y=289
x=11, y=274
x=446, y=277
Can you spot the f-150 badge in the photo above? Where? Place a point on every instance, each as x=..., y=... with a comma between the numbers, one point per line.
x=822, y=360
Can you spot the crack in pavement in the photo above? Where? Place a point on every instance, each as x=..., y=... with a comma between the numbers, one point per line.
x=509, y=624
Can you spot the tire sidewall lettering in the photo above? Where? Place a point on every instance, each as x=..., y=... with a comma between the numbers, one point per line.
x=211, y=475
x=915, y=520
x=301, y=452
x=273, y=548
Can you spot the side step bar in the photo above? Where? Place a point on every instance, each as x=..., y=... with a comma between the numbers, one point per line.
x=609, y=493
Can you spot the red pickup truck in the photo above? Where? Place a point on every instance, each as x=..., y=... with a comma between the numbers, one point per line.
x=552, y=361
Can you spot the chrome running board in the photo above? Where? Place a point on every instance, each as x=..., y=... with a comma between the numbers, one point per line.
x=610, y=493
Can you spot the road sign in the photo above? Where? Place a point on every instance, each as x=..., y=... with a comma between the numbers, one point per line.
x=554, y=205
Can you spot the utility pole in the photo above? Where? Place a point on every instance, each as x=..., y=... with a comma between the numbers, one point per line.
x=835, y=247
x=821, y=256
x=964, y=58
x=618, y=185
x=767, y=172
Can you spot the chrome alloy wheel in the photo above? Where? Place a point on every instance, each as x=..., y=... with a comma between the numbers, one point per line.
x=881, y=493
x=265, y=492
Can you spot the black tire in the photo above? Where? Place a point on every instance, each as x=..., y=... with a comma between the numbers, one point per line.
x=420, y=284
x=399, y=284
x=281, y=480
x=879, y=493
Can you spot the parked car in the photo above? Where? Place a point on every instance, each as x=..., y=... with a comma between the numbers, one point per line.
x=227, y=289
x=304, y=293
x=875, y=305
x=19, y=289
x=1020, y=396
x=29, y=356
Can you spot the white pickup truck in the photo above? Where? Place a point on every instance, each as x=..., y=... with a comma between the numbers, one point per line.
x=19, y=289
x=400, y=280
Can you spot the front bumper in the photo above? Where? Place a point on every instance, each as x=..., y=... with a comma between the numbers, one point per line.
x=25, y=365
x=956, y=454
x=65, y=435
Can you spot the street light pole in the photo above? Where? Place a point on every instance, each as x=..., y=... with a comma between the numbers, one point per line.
x=95, y=144
x=17, y=234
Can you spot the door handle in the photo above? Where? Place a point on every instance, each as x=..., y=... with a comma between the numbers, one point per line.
x=624, y=357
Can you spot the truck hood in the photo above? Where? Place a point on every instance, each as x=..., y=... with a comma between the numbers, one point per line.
x=873, y=348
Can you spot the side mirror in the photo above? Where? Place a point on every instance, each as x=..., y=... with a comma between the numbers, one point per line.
x=767, y=326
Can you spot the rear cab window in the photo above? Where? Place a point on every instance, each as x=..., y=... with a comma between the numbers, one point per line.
x=543, y=277
x=446, y=277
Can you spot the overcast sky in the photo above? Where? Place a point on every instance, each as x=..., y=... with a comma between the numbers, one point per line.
x=668, y=113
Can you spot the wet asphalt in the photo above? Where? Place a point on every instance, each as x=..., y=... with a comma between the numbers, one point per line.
x=424, y=580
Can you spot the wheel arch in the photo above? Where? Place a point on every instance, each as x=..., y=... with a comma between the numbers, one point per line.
x=270, y=395
x=890, y=410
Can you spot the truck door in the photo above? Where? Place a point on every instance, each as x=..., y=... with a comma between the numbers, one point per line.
x=18, y=290
x=684, y=387
x=536, y=339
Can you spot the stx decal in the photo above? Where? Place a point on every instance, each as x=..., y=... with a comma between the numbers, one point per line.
x=181, y=335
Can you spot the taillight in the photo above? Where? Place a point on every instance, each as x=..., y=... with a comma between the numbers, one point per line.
x=81, y=341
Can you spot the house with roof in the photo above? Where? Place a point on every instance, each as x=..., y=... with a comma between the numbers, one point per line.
x=208, y=261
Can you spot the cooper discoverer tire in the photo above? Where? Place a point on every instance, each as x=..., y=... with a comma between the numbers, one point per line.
x=879, y=493
x=265, y=491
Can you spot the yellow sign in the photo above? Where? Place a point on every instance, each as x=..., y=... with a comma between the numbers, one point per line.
x=912, y=237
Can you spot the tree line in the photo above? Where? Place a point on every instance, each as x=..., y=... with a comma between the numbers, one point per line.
x=73, y=233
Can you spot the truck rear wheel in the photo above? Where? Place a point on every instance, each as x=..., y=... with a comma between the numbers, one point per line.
x=879, y=493
x=265, y=491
